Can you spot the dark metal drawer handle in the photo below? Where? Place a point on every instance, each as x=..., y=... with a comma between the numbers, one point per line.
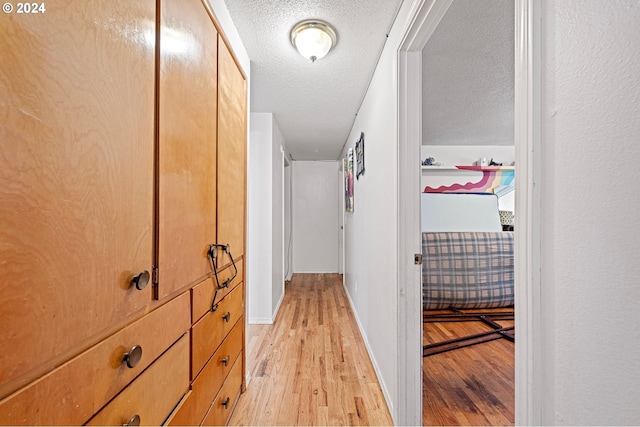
x=227, y=317
x=141, y=280
x=225, y=403
x=225, y=361
x=132, y=358
x=134, y=421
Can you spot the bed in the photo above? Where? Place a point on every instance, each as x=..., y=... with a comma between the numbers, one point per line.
x=467, y=266
x=467, y=270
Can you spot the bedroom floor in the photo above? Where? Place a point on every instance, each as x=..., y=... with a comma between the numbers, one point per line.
x=468, y=386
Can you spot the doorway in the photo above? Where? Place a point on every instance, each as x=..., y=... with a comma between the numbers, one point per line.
x=426, y=17
x=467, y=118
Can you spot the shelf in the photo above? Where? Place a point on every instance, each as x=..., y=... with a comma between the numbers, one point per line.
x=439, y=168
x=469, y=168
x=486, y=168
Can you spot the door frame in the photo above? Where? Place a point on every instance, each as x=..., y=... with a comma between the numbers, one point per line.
x=426, y=15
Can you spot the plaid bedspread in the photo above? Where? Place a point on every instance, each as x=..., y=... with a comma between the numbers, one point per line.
x=467, y=270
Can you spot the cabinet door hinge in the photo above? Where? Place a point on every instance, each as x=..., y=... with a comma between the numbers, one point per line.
x=154, y=276
x=417, y=259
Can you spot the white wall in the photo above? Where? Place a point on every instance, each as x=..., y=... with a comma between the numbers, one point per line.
x=288, y=225
x=277, y=228
x=590, y=239
x=371, y=231
x=315, y=217
x=265, y=252
x=590, y=297
x=260, y=219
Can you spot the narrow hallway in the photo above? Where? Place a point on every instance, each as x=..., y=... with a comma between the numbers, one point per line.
x=311, y=366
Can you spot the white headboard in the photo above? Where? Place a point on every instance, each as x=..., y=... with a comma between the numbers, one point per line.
x=460, y=212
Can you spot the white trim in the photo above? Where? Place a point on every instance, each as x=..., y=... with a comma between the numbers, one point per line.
x=275, y=312
x=317, y=272
x=376, y=368
x=267, y=320
x=426, y=18
x=527, y=233
x=409, y=289
x=260, y=321
x=428, y=14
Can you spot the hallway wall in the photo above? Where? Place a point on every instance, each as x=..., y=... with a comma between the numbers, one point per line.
x=371, y=231
x=590, y=296
x=590, y=345
x=265, y=252
x=315, y=217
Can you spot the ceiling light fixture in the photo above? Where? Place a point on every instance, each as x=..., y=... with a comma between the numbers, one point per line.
x=313, y=38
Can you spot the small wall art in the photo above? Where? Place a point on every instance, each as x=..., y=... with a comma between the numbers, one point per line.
x=348, y=181
x=360, y=156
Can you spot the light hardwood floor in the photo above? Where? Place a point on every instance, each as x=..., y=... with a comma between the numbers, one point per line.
x=468, y=386
x=311, y=366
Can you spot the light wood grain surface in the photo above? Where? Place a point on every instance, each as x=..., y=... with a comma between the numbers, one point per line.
x=76, y=178
x=88, y=381
x=232, y=132
x=187, y=138
x=311, y=366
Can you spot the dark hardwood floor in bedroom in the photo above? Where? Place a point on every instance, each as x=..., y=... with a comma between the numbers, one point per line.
x=468, y=386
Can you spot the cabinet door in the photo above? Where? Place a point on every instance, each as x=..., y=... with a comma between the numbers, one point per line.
x=232, y=132
x=187, y=214
x=76, y=177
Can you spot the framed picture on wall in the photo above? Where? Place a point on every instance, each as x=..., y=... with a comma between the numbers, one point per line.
x=360, y=156
x=348, y=181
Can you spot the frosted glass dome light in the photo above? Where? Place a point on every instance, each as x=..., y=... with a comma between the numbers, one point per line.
x=313, y=39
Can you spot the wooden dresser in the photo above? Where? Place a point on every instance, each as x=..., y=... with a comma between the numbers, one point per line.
x=122, y=215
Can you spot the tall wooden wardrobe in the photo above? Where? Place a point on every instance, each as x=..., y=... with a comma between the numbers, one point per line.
x=122, y=215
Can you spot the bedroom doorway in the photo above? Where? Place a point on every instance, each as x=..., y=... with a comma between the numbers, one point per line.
x=425, y=19
x=468, y=158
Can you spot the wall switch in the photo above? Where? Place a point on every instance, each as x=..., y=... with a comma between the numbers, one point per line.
x=355, y=286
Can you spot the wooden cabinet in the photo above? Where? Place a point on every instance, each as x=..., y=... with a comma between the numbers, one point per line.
x=226, y=399
x=231, y=147
x=122, y=160
x=88, y=381
x=76, y=178
x=209, y=332
x=154, y=394
x=205, y=294
x=187, y=143
x=209, y=381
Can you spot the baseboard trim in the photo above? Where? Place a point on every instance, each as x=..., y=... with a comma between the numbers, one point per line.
x=376, y=368
x=261, y=321
x=275, y=312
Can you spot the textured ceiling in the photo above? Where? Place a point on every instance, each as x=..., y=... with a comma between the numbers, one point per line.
x=314, y=103
x=468, y=76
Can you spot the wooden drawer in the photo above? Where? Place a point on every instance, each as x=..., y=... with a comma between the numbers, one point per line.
x=202, y=294
x=225, y=401
x=89, y=380
x=178, y=409
x=209, y=332
x=153, y=395
x=208, y=383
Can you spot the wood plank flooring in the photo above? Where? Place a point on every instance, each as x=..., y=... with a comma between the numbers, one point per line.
x=311, y=366
x=468, y=386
